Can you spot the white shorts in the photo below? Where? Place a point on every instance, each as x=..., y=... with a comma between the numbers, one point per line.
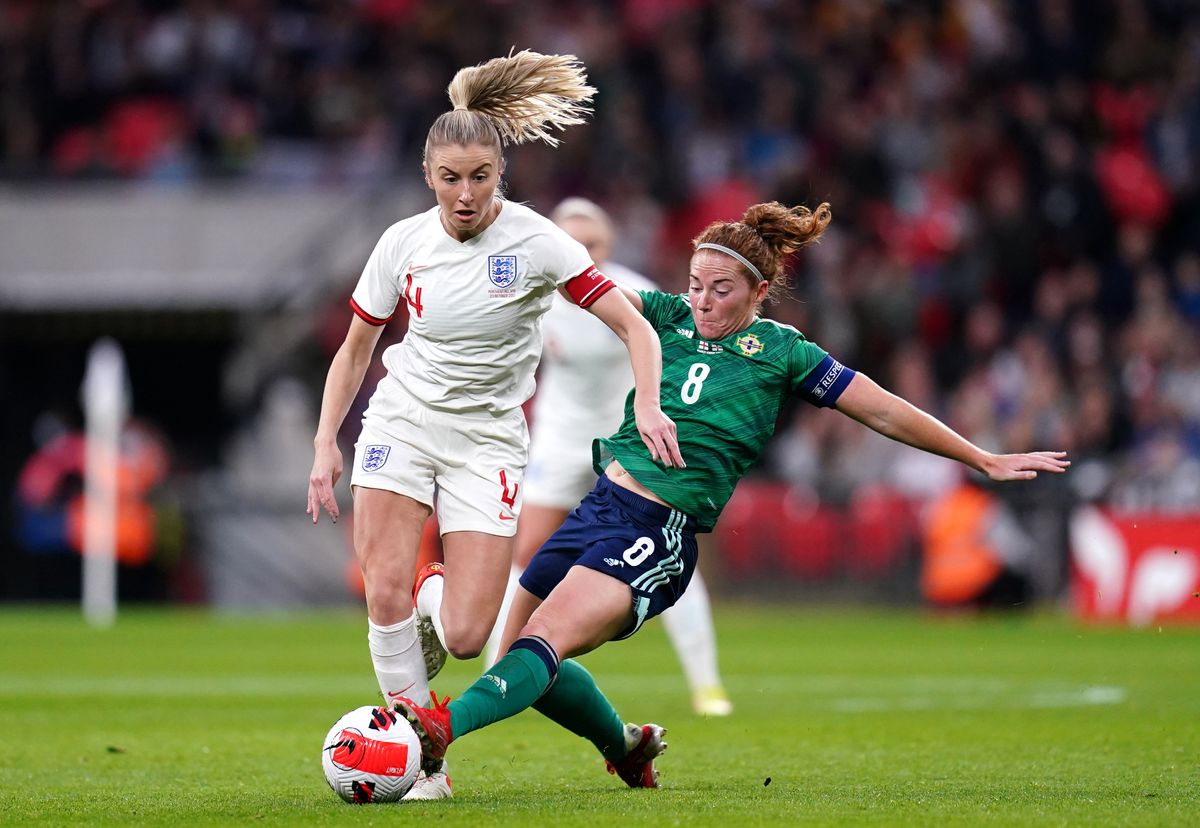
x=560, y=471
x=469, y=469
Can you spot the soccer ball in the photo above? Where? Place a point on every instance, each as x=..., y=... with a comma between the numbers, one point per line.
x=371, y=755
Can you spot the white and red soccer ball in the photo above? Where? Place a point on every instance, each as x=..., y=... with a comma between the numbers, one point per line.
x=371, y=755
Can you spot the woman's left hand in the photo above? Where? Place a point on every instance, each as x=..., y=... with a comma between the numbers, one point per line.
x=1001, y=467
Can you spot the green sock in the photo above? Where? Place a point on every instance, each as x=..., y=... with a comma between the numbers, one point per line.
x=513, y=684
x=576, y=703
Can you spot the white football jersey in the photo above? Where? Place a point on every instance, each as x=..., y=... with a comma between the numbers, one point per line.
x=474, y=334
x=585, y=374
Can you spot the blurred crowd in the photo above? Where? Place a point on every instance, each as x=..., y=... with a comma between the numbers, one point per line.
x=1016, y=235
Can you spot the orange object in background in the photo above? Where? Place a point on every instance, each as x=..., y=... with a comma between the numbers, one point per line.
x=431, y=544
x=136, y=526
x=51, y=477
x=958, y=564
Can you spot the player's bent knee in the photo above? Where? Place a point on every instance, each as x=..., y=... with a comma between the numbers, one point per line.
x=464, y=644
x=464, y=653
x=464, y=650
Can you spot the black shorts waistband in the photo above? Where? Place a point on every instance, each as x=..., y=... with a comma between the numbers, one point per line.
x=632, y=500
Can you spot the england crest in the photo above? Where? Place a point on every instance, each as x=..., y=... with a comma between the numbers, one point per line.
x=502, y=270
x=374, y=457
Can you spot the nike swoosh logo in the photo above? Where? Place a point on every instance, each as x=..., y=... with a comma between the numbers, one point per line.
x=506, y=517
x=392, y=695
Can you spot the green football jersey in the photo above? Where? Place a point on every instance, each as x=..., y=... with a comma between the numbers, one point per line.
x=724, y=396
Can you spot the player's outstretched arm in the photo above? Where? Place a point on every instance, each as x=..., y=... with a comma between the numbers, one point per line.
x=345, y=376
x=864, y=400
x=645, y=353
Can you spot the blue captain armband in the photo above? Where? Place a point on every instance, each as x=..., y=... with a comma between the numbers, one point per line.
x=826, y=382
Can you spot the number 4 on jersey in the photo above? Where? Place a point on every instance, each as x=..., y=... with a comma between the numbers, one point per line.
x=413, y=299
x=508, y=498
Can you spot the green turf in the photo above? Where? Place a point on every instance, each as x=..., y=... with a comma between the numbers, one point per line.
x=853, y=717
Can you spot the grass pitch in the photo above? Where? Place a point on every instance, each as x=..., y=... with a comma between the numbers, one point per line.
x=843, y=717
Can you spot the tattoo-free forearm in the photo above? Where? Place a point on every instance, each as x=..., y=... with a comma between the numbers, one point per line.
x=895, y=417
x=345, y=377
x=645, y=355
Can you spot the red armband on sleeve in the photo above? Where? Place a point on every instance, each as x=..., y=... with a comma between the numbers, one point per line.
x=588, y=286
x=366, y=317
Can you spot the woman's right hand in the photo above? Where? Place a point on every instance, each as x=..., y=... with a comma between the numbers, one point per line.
x=326, y=471
x=659, y=435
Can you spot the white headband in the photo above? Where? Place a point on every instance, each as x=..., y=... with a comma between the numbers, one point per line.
x=727, y=251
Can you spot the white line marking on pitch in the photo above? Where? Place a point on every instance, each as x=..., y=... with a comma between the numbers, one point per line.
x=1013, y=698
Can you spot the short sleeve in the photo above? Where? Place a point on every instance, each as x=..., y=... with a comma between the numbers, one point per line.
x=818, y=378
x=559, y=257
x=660, y=308
x=378, y=290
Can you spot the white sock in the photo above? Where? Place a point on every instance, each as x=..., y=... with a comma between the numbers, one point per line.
x=399, y=664
x=491, y=650
x=429, y=605
x=690, y=627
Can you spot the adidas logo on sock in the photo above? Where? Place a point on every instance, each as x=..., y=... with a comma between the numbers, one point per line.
x=500, y=683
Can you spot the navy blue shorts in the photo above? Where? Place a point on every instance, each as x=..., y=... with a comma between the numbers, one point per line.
x=647, y=545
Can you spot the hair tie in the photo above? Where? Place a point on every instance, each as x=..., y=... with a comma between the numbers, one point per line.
x=463, y=107
x=734, y=254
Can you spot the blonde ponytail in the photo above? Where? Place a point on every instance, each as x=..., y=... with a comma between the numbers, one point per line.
x=513, y=99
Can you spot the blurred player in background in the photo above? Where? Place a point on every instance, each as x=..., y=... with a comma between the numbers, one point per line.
x=582, y=384
x=628, y=551
x=477, y=273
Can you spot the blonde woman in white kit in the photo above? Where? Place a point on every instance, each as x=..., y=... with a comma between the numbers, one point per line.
x=477, y=274
x=582, y=383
